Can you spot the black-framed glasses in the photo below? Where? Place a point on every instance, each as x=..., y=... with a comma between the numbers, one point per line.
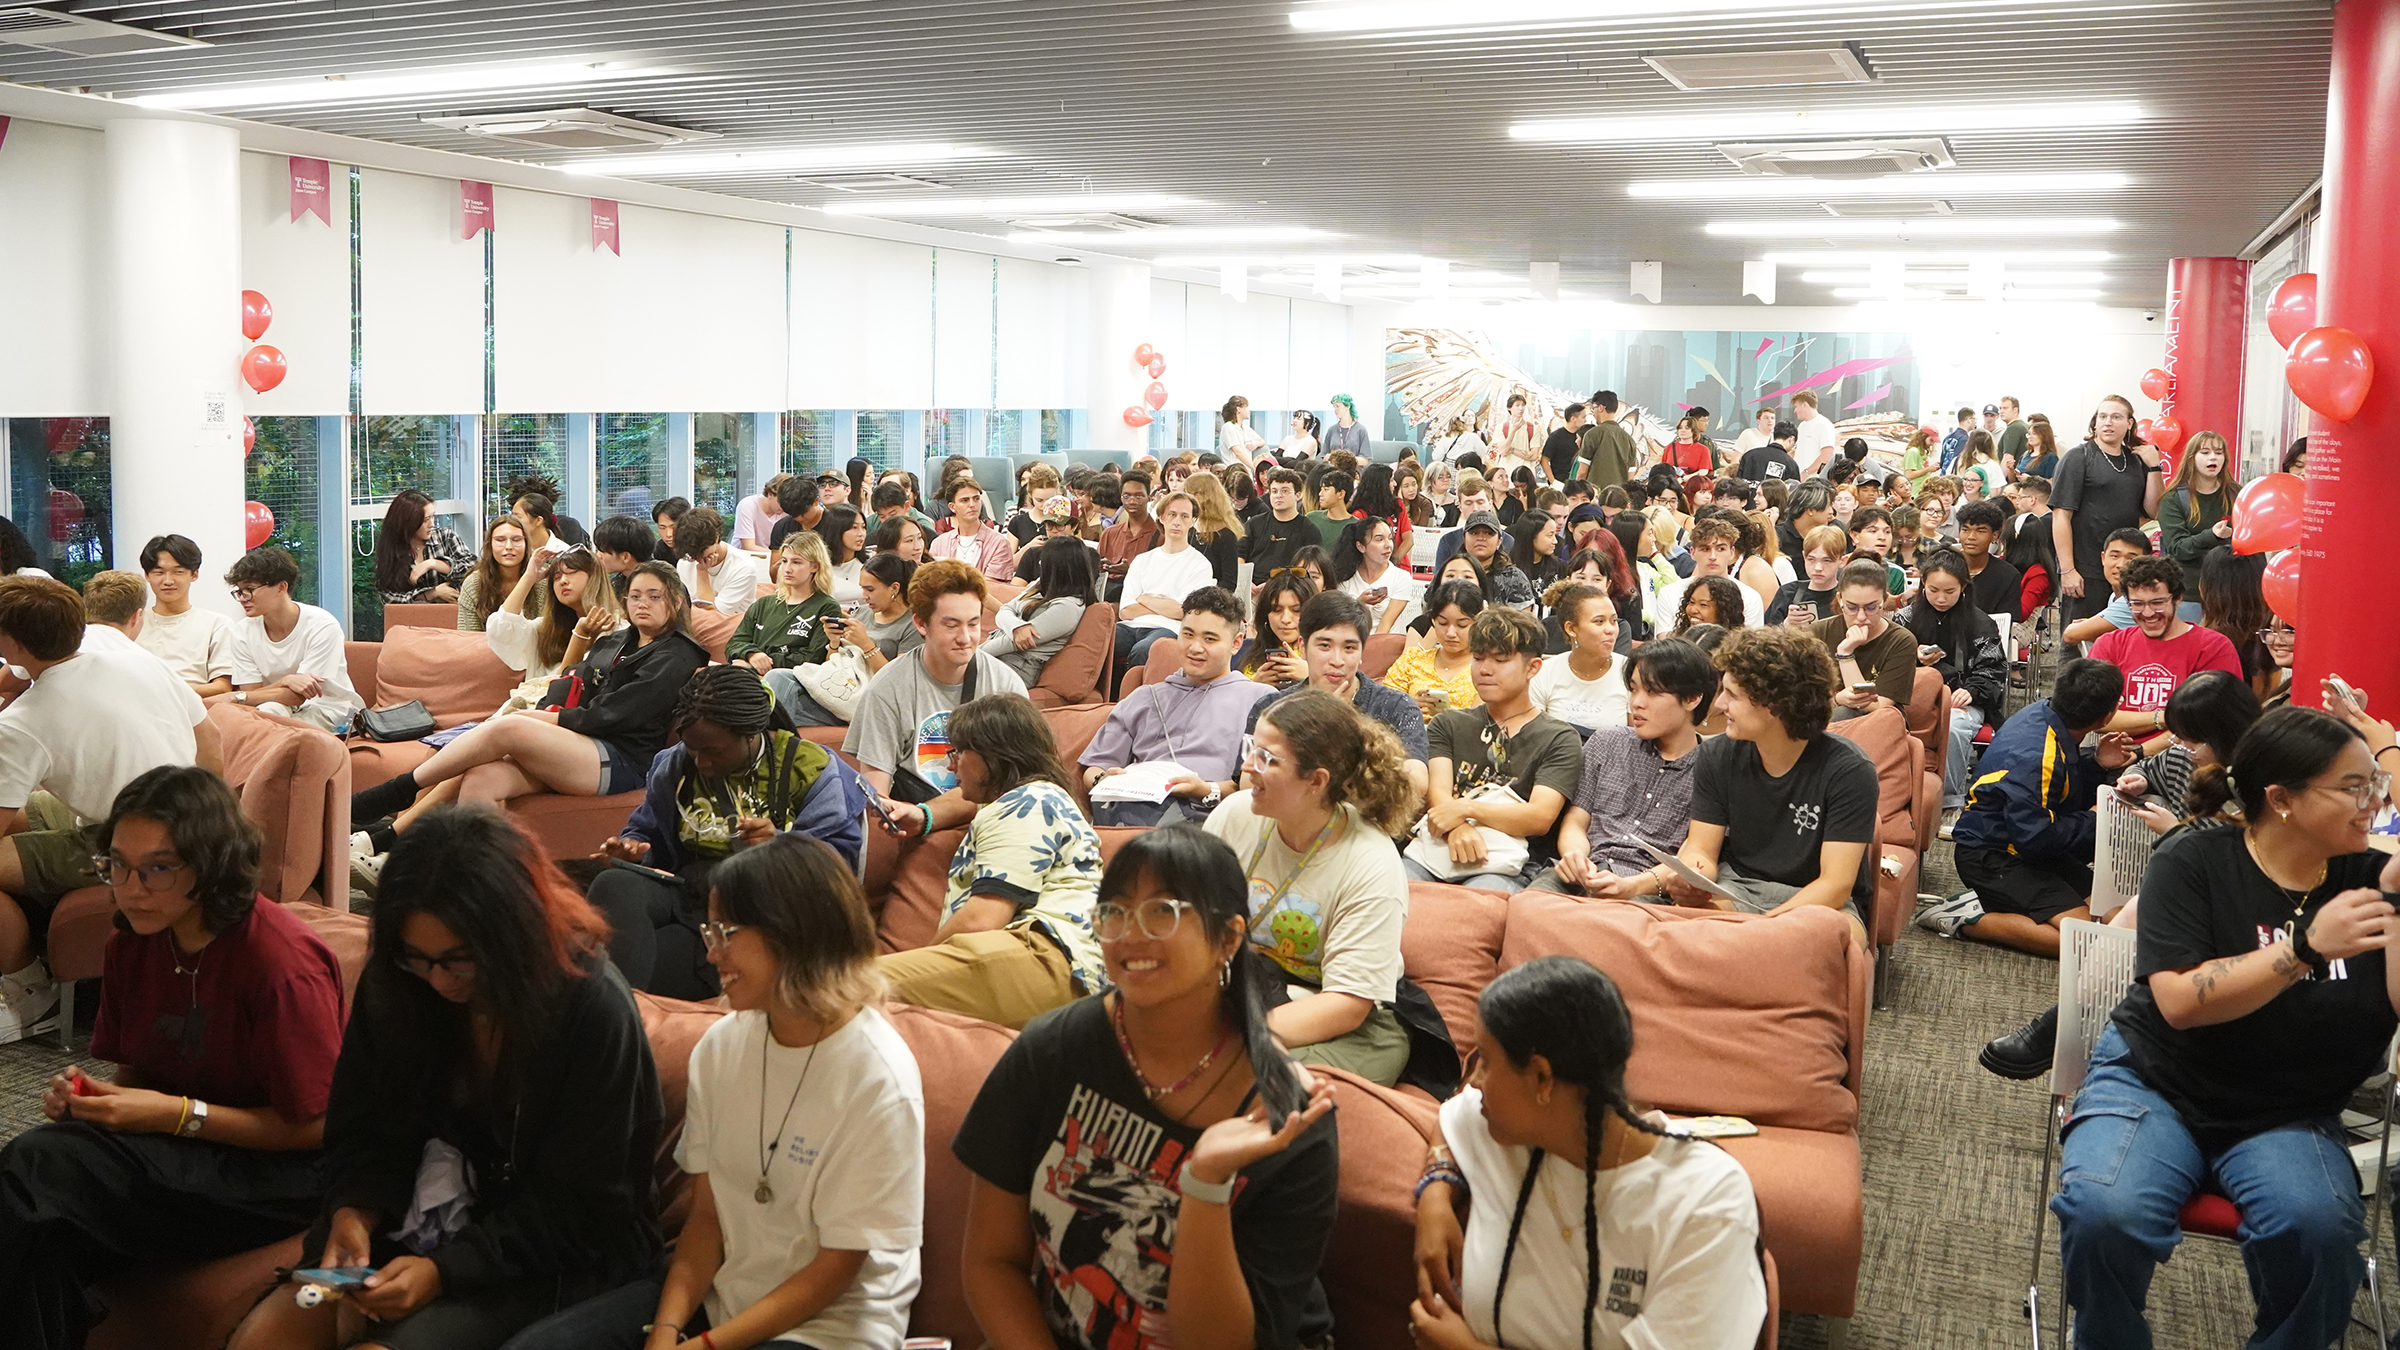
x=1157, y=918
x=153, y=877
x=243, y=593
x=457, y=966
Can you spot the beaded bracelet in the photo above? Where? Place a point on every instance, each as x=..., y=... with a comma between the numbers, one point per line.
x=1439, y=1171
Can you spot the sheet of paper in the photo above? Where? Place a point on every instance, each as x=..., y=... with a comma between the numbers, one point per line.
x=1147, y=781
x=1685, y=870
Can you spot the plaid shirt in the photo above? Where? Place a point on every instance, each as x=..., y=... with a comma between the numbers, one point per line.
x=1633, y=794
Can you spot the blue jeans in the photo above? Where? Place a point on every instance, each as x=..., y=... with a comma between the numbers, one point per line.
x=1507, y=883
x=610, y=1321
x=785, y=685
x=2126, y=1168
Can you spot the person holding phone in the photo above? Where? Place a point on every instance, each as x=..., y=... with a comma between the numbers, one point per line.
x=1877, y=658
x=1361, y=567
x=1963, y=643
x=1439, y=673
x=223, y=1131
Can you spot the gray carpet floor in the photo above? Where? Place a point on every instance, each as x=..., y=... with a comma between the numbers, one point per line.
x=1952, y=1157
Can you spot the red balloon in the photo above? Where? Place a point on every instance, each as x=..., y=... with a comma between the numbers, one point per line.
x=1144, y=354
x=2292, y=310
x=258, y=524
x=2282, y=585
x=256, y=315
x=2330, y=370
x=1158, y=366
x=1155, y=395
x=1137, y=416
x=2267, y=515
x=2155, y=384
x=2144, y=429
x=249, y=434
x=2164, y=432
x=263, y=368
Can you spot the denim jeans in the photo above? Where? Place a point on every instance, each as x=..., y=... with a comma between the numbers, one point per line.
x=785, y=685
x=1507, y=883
x=610, y=1321
x=1964, y=723
x=2126, y=1168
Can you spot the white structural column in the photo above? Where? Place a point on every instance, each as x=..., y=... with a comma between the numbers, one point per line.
x=1120, y=315
x=175, y=341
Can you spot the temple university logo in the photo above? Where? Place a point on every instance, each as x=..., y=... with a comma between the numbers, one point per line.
x=1805, y=816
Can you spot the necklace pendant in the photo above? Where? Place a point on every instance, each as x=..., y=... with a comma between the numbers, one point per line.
x=764, y=1193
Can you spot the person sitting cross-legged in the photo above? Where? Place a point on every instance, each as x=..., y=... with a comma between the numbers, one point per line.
x=1506, y=743
x=2024, y=842
x=1194, y=718
x=1636, y=787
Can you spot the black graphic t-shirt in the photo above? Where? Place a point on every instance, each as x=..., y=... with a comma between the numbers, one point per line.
x=1774, y=827
x=1063, y=1121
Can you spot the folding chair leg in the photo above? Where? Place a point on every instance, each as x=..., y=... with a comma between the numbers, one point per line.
x=1883, y=976
x=66, y=1014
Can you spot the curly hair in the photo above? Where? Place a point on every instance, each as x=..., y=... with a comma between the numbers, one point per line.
x=1364, y=765
x=1724, y=596
x=1785, y=671
x=210, y=834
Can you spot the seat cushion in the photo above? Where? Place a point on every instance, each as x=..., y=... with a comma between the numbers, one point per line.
x=713, y=628
x=1369, y=1271
x=187, y=1307
x=954, y=1055
x=1074, y=727
x=1450, y=945
x=453, y=673
x=573, y=827
x=436, y=614
x=1381, y=651
x=360, y=657
x=1883, y=736
x=1810, y=1212
x=292, y=779
x=373, y=762
x=1074, y=673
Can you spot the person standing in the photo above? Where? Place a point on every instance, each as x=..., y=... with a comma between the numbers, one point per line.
x=1516, y=435
x=2110, y=482
x=1814, y=447
x=2012, y=434
x=1761, y=431
x=1771, y=458
x=1235, y=438
x=1346, y=433
x=1561, y=450
x=2195, y=513
x=1607, y=447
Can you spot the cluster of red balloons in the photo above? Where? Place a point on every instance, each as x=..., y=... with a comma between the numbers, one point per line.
x=263, y=368
x=1148, y=358
x=2329, y=368
x=2267, y=518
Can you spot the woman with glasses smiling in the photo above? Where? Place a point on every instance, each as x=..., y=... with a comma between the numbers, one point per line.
x=2263, y=998
x=1151, y=1155
x=223, y=1013
x=494, y=1116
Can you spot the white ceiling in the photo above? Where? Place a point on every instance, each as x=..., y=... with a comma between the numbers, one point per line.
x=1397, y=142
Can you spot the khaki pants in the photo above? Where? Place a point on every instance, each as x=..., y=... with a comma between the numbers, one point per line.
x=1011, y=976
x=1377, y=1051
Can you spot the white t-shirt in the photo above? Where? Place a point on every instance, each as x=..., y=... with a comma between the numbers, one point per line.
x=1338, y=925
x=1670, y=598
x=735, y=579
x=1173, y=575
x=1749, y=440
x=1588, y=705
x=1679, y=1265
x=1406, y=591
x=845, y=582
x=90, y=726
x=848, y=1169
x=99, y=637
x=1816, y=438
x=313, y=646
x=196, y=644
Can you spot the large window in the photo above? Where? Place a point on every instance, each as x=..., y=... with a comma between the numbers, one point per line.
x=58, y=493
x=281, y=475
x=1054, y=430
x=633, y=463
x=520, y=445
x=432, y=455
x=807, y=442
x=879, y=438
x=721, y=444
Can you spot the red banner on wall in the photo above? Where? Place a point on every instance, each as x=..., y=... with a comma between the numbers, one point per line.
x=474, y=208
x=3, y=131
x=312, y=188
x=604, y=226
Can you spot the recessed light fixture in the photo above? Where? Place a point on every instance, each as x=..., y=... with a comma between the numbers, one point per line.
x=1422, y=15
x=798, y=159
x=1866, y=293
x=1064, y=203
x=408, y=84
x=1836, y=257
x=1992, y=226
x=2049, y=293
x=1173, y=235
x=1860, y=120
x=2056, y=278
x=1763, y=187
x=1257, y=262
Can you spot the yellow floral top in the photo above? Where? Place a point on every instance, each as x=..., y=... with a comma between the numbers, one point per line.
x=1414, y=673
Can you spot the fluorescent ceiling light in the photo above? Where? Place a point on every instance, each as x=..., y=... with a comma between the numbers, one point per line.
x=1837, y=278
x=1296, y=260
x=1918, y=275
x=362, y=88
x=1173, y=234
x=2024, y=293
x=2056, y=278
x=1864, y=293
x=1871, y=228
x=1835, y=257
x=1856, y=120
x=1765, y=187
x=1060, y=204
x=1419, y=15
x=800, y=159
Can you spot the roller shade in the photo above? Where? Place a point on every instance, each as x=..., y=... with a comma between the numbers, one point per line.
x=303, y=268
x=421, y=297
x=1042, y=313
x=861, y=322
x=53, y=204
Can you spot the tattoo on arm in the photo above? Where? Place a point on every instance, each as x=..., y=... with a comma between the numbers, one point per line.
x=2204, y=980
x=2285, y=963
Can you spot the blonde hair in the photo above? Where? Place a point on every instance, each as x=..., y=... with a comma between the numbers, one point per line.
x=1212, y=505
x=114, y=597
x=808, y=546
x=1663, y=527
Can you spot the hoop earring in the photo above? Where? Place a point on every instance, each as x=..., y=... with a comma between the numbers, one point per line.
x=1225, y=974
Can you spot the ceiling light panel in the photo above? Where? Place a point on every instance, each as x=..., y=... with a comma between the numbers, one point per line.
x=1952, y=257
x=393, y=85
x=1167, y=236
x=1701, y=71
x=2030, y=227
x=1413, y=16
x=1005, y=207
x=798, y=159
x=1761, y=188
x=1863, y=120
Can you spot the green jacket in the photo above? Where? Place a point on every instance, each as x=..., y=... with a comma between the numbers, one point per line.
x=1609, y=447
x=2185, y=519
x=2012, y=443
x=790, y=635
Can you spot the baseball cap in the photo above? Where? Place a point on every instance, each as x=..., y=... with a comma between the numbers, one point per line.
x=1991, y=410
x=1482, y=520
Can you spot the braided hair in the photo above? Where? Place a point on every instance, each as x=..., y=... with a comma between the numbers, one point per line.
x=733, y=697
x=1567, y=1011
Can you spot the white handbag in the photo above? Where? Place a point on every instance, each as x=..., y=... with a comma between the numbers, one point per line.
x=836, y=681
x=1505, y=855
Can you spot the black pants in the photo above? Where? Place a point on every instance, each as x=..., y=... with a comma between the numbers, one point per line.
x=78, y=1202
x=652, y=941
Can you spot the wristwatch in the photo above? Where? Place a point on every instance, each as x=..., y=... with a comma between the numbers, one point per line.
x=195, y=1121
x=1193, y=1188
x=1215, y=794
x=241, y=696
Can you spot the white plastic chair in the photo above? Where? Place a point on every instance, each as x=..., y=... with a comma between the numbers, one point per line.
x=2121, y=848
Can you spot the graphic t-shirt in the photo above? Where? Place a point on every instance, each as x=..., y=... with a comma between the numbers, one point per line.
x=2155, y=668
x=1767, y=462
x=1063, y=1121
x=1544, y=752
x=1033, y=848
x=1337, y=926
x=1774, y=827
x=903, y=718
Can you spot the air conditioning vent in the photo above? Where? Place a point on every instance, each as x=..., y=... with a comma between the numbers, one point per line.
x=570, y=129
x=1840, y=159
x=50, y=31
x=1696, y=71
x=1913, y=206
x=869, y=182
x=1096, y=220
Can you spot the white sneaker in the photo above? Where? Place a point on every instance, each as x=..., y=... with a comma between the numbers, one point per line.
x=28, y=1003
x=362, y=844
x=1950, y=820
x=1952, y=914
x=366, y=869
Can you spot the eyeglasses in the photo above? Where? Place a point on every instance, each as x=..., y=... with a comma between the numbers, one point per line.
x=1861, y=611
x=2377, y=786
x=1157, y=919
x=243, y=593
x=422, y=966
x=2150, y=606
x=153, y=876
x=2277, y=637
x=1255, y=755
x=715, y=935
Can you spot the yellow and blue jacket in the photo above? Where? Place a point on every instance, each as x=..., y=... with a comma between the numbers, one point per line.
x=2033, y=791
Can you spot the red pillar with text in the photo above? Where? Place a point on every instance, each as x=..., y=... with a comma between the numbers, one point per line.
x=2350, y=576
x=2208, y=302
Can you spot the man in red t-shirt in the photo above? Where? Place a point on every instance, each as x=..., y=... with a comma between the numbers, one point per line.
x=2160, y=651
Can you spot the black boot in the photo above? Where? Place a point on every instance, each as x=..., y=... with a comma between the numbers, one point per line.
x=387, y=798
x=2025, y=1052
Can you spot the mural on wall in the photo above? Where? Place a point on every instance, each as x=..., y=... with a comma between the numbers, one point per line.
x=1866, y=382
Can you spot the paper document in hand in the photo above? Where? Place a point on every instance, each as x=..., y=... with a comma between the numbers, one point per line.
x=1689, y=874
x=1147, y=781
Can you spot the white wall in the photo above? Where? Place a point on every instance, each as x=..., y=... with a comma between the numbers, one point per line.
x=303, y=268
x=53, y=219
x=421, y=299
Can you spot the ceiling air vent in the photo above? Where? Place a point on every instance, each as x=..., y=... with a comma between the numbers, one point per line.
x=1890, y=206
x=1696, y=71
x=1840, y=159
x=50, y=31
x=570, y=129
x=869, y=182
x=1091, y=220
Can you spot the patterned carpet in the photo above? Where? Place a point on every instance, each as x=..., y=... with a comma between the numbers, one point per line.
x=1951, y=1155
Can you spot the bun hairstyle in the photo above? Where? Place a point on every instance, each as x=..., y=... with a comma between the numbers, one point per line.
x=1566, y=1011
x=2284, y=749
x=1363, y=763
x=1210, y=879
